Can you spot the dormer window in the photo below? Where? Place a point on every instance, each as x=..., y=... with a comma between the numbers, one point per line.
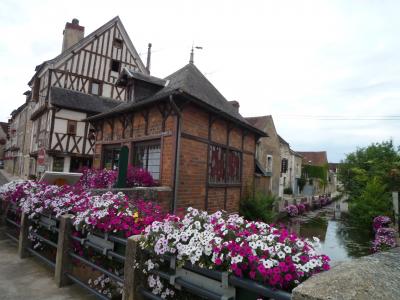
x=118, y=43
x=115, y=66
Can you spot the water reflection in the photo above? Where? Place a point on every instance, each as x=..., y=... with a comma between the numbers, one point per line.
x=339, y=240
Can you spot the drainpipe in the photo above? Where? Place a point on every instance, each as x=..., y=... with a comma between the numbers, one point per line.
x=177, y=154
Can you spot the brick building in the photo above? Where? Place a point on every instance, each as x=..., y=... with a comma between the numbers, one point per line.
x=186, y=134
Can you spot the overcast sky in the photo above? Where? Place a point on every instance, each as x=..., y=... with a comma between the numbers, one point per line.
x=302, y=62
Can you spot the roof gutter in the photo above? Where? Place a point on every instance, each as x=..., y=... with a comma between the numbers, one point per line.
x=177, y=154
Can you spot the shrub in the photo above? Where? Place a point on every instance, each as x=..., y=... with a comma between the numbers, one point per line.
x=373, y=201
x=259, y=208
x=288, y=191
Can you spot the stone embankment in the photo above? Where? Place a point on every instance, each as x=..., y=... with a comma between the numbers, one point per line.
x=369, y=277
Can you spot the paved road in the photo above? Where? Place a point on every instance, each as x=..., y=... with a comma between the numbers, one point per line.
x=29, y=278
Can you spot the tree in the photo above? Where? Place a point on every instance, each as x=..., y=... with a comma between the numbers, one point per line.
x=372, y=202
x=368, y=176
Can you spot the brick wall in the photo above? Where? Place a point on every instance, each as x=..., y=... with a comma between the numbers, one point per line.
x=193, y=162
x=193, y=177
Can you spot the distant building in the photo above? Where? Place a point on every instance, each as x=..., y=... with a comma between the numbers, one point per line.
x=3, y=139
x=268, y=155
x=17, y=159
x=291, y=163
x=320, y=159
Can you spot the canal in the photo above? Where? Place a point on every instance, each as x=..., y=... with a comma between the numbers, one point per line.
x=339, y=240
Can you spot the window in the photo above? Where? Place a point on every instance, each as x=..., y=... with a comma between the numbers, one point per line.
x=58, y=164
x=111, y=156
x=224, y=166
x=217, y=164
x=284, y=166
x=95, y=87
x=233, y=167
x=147, y=156
x=269, y=163
x=71, y=127
x=118, y=43
x=115, y=65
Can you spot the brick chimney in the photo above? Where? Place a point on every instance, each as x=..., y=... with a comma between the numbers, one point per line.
x=73, y=33
x=235, y=104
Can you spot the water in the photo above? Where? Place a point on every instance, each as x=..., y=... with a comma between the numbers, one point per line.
x=339, y=240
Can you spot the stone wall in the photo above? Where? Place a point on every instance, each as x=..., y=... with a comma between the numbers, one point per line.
x=371, y=277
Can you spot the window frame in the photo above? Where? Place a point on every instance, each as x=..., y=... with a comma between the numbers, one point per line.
x=54, y=160
x=118, y=43
x=269, y=167
x=100, y=90
x=147, y=144
x=111, y=147
x=284, y=166
x=226, y=152
x=71, y=122
x=119, y=65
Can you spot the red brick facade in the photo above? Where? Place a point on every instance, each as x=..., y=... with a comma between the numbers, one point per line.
x=198, y=130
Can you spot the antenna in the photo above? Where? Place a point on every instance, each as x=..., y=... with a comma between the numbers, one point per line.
x=191, y=60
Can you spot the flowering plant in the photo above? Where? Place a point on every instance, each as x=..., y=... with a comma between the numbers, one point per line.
x=103, y=178
x=253, y=250
x=381, y=221
x=301, y=208
x=97, y=178
x=292, y=210
x=116, y=213
x=385, y=237
x=139, y=177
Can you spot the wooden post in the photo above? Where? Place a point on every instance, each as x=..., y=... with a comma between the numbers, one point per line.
x=63, y=260
x=3, y=213
x=131, y=280
x=23, y=241
x=122, y=167
x=396, y=203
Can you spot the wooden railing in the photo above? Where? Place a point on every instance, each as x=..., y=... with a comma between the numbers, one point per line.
x=59, y=234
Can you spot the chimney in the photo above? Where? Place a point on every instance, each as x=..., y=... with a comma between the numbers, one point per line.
x=235, y=104
x=148, y=58
x=73, y=33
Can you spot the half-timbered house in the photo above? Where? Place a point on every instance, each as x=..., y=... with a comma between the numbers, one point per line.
x=186, y=134
x=74, y=85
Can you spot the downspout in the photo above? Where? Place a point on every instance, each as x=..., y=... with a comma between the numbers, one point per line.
x=177, y=154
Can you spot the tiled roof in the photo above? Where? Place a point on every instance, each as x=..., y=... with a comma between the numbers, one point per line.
x=78, y=101
x=315, y=158
x=259, y=122
x=191, y=82
x=86, y=40
x=282, y=140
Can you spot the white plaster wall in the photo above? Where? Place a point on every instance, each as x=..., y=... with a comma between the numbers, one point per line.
x=70, y=114
x=67, y=163
x=106, y=90
x=60, y=125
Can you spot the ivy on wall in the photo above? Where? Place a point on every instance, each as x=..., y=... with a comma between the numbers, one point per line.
x=319, y=172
